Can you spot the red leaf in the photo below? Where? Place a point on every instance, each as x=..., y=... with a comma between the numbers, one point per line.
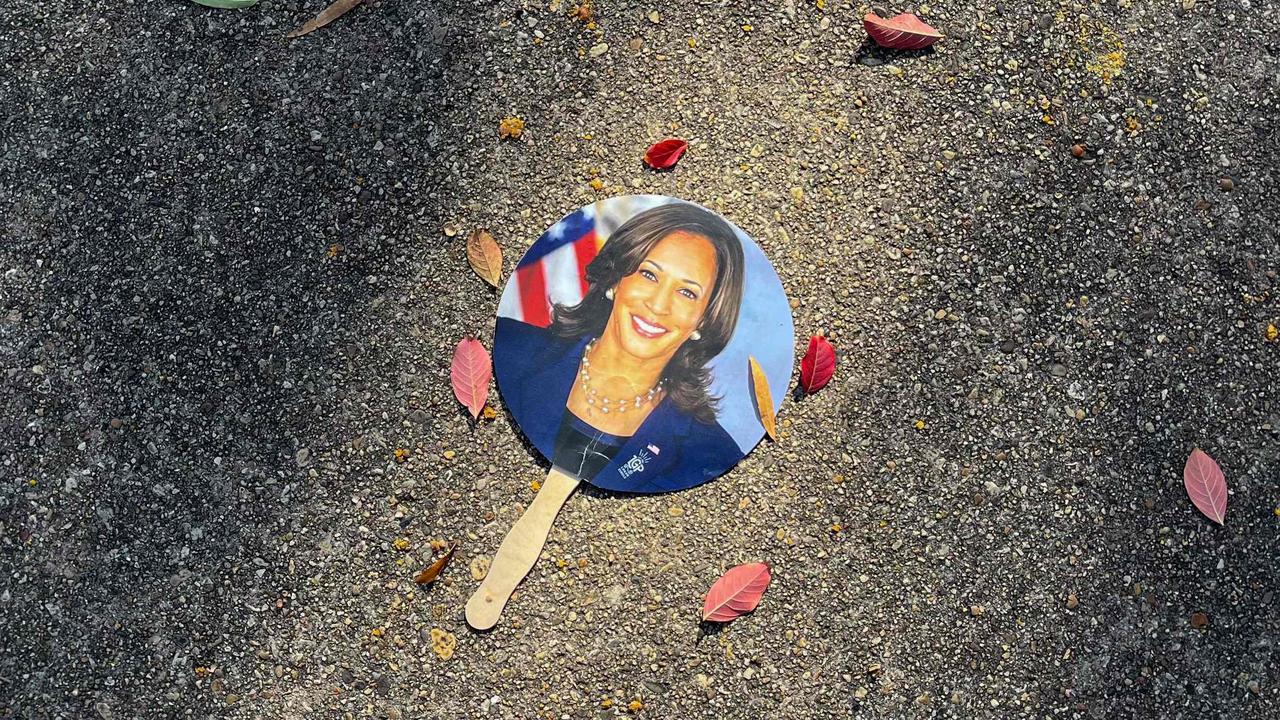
x=737, y=591
x=818, y=365
x=664, y=154
x=470, y=374
x=900, y=32
x=1205, y=485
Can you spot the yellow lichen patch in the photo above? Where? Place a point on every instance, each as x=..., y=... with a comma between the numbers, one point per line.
x=1102, y=49
x=511, y=127
x=443, y=643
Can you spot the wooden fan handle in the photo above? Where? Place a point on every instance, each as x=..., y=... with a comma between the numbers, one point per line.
x=519, y=551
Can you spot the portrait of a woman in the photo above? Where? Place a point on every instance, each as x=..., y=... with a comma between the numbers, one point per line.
x=616, y=390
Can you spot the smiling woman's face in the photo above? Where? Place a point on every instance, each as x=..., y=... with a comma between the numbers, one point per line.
x=656, y=307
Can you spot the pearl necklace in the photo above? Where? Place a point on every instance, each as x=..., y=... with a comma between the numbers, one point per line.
x=596, y=400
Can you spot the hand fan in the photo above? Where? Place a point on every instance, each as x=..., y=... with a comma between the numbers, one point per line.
x=622, y=351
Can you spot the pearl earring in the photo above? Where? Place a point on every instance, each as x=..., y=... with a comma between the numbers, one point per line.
x=695, y=335
x=609, y=293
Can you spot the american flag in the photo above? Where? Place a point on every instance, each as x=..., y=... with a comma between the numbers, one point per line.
x=554, y=270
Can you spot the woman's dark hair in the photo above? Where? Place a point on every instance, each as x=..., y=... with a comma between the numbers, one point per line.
x=687, y=379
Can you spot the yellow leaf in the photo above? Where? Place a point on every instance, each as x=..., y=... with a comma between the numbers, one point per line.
x=512, y=127
x=401, y=455
x=919, y=425
x=764, y=399
x=596, y=184
x=485, y=256
x=635, y=706
x=535, y=486
x=606, y=703
x=489, y=413
x=1272, y=333
x=401, y=544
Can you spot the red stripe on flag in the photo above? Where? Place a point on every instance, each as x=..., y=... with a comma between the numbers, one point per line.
x=586, y=250
x=533, y=295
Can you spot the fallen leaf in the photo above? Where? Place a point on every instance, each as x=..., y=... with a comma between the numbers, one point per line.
x=485, y=256
x=737, y=592
x=433, y=571
x=326, y=16
x=582, y=12
x=1205, y=485
x=226, y=4
x=764, y=400
x=1199, y=620
x=818, y=365
x=470, y=374
x=900, y=32
x=1272, y=333
x=512, y=127
x=665, y=154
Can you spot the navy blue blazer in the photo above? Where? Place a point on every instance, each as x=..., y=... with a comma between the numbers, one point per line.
x=670, y=450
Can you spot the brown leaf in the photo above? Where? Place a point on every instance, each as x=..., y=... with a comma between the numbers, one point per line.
x=764, y=399
x=326, y=16
x=434, y=570
x=1199, y=620
x=485, y=256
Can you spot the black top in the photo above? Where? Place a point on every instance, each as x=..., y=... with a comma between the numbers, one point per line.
x=581, y=450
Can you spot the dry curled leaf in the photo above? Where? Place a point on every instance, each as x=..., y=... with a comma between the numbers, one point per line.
x=470, y=374
x=763, y=398
x=434, y=569
x=512, y=127
x=665, y=154
x=326, y=16
x=818, y=365
x=738, y=591
x=485, y=256
x=900, y=32
x=1205, y=485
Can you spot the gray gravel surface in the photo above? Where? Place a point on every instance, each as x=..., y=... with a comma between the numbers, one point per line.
x=229, y=297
